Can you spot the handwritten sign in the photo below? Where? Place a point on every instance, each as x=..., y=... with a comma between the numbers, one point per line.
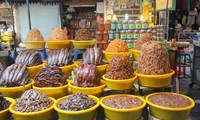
x=162, y=4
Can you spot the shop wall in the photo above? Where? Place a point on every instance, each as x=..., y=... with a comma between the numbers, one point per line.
x=43, y=17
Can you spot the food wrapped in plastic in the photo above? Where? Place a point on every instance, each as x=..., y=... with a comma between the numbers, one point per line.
x=50, y=76
x=58, y=34
x=4, y=104
x=15, y=75
x=29, y=58
x=77, y=102
x=92, y=56
x=32, y=101
x=60, y=57
x=143, y=39
x=119, y=68
x=83, y=34
x=116, y=46
x=34, y=35
x=86, y=76
x=154, y=59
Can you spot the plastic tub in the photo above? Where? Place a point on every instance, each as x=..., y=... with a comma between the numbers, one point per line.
x=136, y=54
x=87, y=114
x=67, y=69
x=96, y=91
x=119, y=84
x=83, y=44
x=58, y=44
x=14, y=92
x=46, y=114
x=33, y=70
x=155, y=81
x=5, y=114
x=55, y=92
x=123, y=114
x=37, y=45
x=108, y=55
x=165, y=113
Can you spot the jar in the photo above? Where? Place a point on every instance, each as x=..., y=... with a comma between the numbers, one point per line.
x=99, y=36
x=149, y=31
x=105, y=36
x=119, y=25
x=129, y=34
x=136, y=34
x=154, y=33
x=105, y=45
x=142, y=32
x=129, y=44
x=101, y=26
x=107, y=25
x=111, y=35
x=113, y=25
x=100, y=45
x=137, y=24
x=125, y=25
x=131, y=24
x=117, y=35
x=123, y=34
x=145, y=24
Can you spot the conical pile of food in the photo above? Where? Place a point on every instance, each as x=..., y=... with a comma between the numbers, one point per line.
x=58, y=34
x=116, y=46
x=83, y=34
x=34, y=35
x=143, y=39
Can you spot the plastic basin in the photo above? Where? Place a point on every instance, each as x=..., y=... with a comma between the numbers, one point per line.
x=14, y=92
x=37, y=45
x=136, y=54
x=83, y=44
x=155, y=81
x=33, y=70
x=108, y=55
x=119, y=84
x=87, y=114
x=46, y=114
x=58, y=44
x=96, y=91
x=123, y=114
x=6, y=114
x=165, y=113
x=67, y=69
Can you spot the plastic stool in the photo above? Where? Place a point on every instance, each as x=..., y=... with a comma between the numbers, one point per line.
x=78, y=52
x=182, y=64
x=42, y=53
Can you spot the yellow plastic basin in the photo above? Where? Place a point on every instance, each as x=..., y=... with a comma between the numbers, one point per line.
x=6, y=38
x=123, y=114
x=37, y=45
x=87, y=114
x=165, y=113
x=155, y=81
x=83, y=44
x=46, y=114
x=136, y=54
x=14, y=92
x=5, y=114
x=119, y=84
x=58, y=44
x=67, y=69
x=108, y=55
x=33, y=70
x=96, y=91
x=55, y=92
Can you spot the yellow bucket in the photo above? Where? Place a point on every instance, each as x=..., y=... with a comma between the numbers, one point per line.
x=14, y=92
x=155, y=81
x=87, y=114
x=96, y=91
x=46, y=114
x=83, y=44
x=37, y=45
x=108, y=55
x=136, y=54
x=58, y=44
x=33, y=70
x=119, y=84
x=5, y=114
x=67, y=69
x=123, y=114
x=165, y=113
x=55, y=92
